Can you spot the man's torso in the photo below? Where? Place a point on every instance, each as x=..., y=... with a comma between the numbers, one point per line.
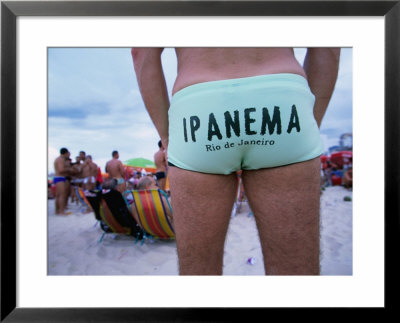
x=113, y=168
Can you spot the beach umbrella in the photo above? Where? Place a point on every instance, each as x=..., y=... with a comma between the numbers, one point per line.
x=140, y=162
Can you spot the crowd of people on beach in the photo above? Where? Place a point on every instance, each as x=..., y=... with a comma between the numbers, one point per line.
x=86, y=174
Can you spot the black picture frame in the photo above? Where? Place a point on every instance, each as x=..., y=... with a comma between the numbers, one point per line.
x=10, y=10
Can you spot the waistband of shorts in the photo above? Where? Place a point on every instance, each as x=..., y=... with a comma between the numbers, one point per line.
x=268, y=80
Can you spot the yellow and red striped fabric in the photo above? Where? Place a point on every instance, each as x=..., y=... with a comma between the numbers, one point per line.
x=81, y=195
x=110, y=220
x=153, y=213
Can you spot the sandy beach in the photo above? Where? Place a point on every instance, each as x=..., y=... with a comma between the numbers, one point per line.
x=74, y=247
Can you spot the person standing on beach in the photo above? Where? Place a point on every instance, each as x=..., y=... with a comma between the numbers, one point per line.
x=62, y=170
x=161, y=166
x=116, y=170
x=251, y=109
x=89, y=172
x=82, y=157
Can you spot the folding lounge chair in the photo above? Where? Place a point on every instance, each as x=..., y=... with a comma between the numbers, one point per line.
x=82, y=198
x=94, y=199
x=113, y=214
x=152, y=211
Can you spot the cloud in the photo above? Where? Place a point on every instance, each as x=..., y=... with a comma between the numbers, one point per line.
x=94, y=104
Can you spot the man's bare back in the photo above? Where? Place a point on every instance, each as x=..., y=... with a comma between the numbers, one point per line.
x=115, y=168
x=196, y=65
x=160, y=161
x=93, y=169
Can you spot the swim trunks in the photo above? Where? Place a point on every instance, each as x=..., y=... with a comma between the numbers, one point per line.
x=120, y=181
x=220, y=127
x=58, y=179
x=77, y=180
x=89, y=179
x=160, y=175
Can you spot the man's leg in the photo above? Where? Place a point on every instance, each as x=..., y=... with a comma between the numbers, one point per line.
x=202, y=205
x=161, y=183
x=67, y=189
x=60, y=198
x=285, y=203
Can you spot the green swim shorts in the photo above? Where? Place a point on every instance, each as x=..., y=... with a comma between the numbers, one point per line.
x=220, y=127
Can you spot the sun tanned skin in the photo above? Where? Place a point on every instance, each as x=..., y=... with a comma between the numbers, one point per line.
x=285, y=200
x=161, y=166
x=62, y=169
x=116, y=170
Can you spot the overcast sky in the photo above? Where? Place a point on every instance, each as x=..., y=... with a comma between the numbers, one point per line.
x=94, y=104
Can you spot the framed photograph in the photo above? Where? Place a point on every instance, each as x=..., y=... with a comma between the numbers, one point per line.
x=34, y=33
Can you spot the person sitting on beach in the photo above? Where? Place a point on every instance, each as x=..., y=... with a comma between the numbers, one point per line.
x=136, y=177
x=89, y=174
x=116, y=170
x=251, y=109
x=348, y=178
x=161, y=166
x=146, y=183
x=62, y=170
x=110, y=184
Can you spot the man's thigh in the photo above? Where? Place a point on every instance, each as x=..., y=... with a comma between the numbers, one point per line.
x=285, y=202
x=202, y=205
x=60, y=189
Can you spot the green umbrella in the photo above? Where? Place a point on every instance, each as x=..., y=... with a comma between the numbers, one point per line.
x=140, y=162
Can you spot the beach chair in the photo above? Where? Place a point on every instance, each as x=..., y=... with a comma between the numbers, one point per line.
x=152, y=211
x=94, y=200
x=113, y=214
x=116, y=215
x=82, y=199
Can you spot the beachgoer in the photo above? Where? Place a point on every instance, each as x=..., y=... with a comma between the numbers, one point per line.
x=82, y=156
x=76, y=179
x=62, y=170
x=89, y=173
x=251, y=109
x=116, y=171
x=146, y=183
x=348, y=178
x=137, y=176
x=161, y=166
x=99, y=178
x=67, y=183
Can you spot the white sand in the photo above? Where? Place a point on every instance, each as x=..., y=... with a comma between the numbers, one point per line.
x=74, y=247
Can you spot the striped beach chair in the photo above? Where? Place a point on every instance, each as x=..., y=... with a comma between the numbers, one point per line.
x=153, y=212
x=82, y=199
x=116, y=217
x=113, y=214
x=94, y=200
